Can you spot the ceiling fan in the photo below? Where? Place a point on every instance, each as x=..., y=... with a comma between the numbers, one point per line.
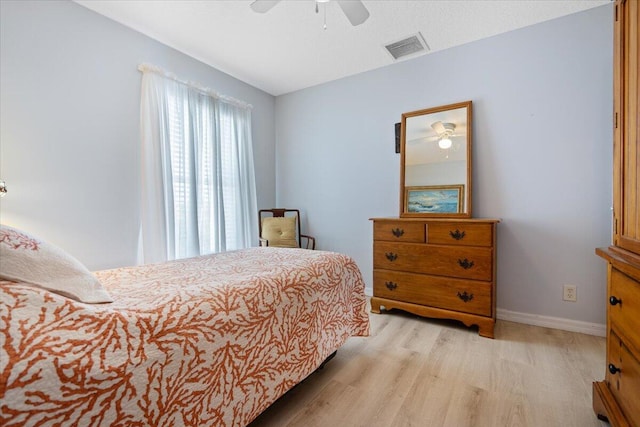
x=444, y=132
x=354, y=10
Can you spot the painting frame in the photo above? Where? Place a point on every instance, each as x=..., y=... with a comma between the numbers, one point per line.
x=445, y=199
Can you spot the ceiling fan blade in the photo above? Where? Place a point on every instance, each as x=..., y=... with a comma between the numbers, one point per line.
x=354, y=10
x=262, y=6
x=438, y=127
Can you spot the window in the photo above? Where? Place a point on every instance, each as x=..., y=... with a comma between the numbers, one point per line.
x=199, y=147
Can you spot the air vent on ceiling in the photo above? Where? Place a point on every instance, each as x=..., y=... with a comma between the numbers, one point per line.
x=411, y=45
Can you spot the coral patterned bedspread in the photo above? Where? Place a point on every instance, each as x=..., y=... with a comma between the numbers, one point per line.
x=207, y=341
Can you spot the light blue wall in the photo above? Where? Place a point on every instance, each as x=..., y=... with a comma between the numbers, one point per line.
x=542, y=99
x=69, y=126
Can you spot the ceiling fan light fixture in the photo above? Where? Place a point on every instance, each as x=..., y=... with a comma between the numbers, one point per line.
x=445, y=143
x=354, y=10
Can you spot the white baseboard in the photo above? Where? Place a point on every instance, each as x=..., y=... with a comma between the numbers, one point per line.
x=588, y=328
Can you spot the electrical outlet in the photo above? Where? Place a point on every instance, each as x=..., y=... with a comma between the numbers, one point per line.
x=569, y=293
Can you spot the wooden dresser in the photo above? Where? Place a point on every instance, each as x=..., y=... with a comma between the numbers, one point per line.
x=617, y=398
x=444, y=268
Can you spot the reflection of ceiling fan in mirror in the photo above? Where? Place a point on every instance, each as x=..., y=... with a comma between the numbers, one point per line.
x=354, y=10
x=445, y=132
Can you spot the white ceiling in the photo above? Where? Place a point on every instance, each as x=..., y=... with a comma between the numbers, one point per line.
x=287, y=48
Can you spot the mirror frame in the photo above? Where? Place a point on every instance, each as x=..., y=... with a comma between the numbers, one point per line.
x=468, y=188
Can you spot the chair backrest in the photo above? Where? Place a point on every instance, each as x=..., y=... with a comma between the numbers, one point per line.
x=281, y=213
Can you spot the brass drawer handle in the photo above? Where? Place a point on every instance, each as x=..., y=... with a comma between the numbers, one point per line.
x=397, y=232
x=614, y=301
x=613, y=369
x=465, y=263
x=465, y=296
x=458, y=235
x=391, y=256
x=390, y=285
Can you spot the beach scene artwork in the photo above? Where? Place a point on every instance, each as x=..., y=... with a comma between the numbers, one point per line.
x=434, y=199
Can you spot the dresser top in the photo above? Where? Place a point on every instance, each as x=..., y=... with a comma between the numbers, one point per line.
x=469, y=220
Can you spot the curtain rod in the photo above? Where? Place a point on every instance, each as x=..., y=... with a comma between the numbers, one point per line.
x=157, y=70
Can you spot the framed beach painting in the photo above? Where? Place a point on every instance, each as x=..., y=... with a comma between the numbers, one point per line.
x=434, y=199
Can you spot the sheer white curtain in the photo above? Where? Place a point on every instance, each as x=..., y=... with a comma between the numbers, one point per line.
x=198, y=182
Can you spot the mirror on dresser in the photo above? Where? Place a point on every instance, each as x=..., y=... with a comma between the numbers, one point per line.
x=435, y=162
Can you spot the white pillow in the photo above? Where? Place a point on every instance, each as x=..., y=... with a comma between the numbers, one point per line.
x=25, y=258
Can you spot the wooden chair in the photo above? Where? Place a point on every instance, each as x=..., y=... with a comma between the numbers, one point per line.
x=280, y=227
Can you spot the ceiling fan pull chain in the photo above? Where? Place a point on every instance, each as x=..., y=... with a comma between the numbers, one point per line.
x=325, y=16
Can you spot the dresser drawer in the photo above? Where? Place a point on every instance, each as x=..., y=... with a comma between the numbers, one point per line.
x=625, y=315
x=624, y=383
x=459, y=233
x=399, y=231
x=451, y=261
x=454, y=294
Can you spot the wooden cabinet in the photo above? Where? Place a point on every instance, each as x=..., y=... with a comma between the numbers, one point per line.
x=626, y=152
x=617, y=398
x=444, y=268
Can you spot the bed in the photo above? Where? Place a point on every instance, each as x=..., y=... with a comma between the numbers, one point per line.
x=206, y=341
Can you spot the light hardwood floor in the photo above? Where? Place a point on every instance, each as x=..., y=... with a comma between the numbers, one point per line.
x=423, y=372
